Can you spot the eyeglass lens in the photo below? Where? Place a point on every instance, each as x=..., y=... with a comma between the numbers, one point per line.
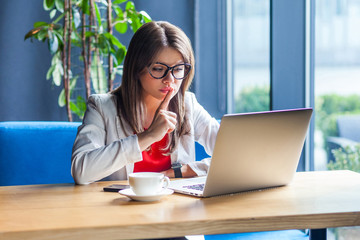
x=160, y=70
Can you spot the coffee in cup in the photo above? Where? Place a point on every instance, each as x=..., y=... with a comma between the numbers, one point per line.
x=148, y=183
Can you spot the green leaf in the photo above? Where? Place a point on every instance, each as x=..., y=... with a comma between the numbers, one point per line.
x=135, y=23
x=145, y=16
x=98, y=16
x=133, y=18
x=119, y=1
x=48, y=4
x=104, y=44
x=81, y=103
x=42, y=35
x=76, y=39
x=76, y=17
x=58, y=71
x=53, y=43
x=113, y=40
x=130, y=5
x=73, y=83
x=89, y=34
x=56, y=75
x=59, y=36
x=59, y=4
x=104, y=2
x=85, y=8
x=56, y=26
x=55, y=59
x=40, y=24
x=98, y=76
x=33, y=33
x=121, y=27
x=78, y=107
x=50, y=72
x=120, y=55
x=119, y=12
x=61, y=99
x=53, y=13
x=74, y=108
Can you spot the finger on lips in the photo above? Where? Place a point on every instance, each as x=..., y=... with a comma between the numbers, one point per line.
x=165, y=103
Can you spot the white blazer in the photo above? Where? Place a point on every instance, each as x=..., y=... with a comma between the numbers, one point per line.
x=103, y=150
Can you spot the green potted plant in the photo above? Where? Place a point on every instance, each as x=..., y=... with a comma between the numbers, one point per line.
x=346, y=159
x=90, y=27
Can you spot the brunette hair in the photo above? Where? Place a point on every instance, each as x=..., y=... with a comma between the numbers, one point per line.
x=143, y=48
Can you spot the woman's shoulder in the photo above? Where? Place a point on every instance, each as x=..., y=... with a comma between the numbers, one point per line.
x=102, y=98
x=190, y=98
x=192, y=106
x=189, y=94
x=104, y=101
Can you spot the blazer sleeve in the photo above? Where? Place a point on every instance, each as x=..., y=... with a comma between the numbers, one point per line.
x=205, y=131
x=93, y=158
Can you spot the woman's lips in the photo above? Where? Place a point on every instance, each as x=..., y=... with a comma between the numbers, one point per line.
x=166, y=89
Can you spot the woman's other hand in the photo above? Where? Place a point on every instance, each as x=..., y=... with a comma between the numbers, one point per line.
x=186, y=172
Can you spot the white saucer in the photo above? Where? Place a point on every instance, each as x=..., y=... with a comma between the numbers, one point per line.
x=145, y=198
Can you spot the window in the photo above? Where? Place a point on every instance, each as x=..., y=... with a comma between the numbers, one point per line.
x=250, y=49
x=269, y=65
x=262, y=40
x=337, y=80
x=337, y=90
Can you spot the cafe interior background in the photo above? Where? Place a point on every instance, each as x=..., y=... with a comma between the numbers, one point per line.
x=251, y=55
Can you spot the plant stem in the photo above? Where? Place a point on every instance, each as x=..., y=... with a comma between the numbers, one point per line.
x=89, y=50
x=63, y=59
x=97, y=53
x=110, y=59
x=85, y=57
x=68, y=67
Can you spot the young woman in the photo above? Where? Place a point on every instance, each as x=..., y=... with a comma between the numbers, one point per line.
x=151, y=122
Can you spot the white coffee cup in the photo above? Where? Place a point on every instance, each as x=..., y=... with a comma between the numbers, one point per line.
x=148, y=183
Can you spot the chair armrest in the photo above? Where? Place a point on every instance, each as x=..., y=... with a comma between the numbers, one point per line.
x=341, y=142
x=338, y=143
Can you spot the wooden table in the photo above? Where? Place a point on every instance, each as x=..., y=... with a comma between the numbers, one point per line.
x=314, y=200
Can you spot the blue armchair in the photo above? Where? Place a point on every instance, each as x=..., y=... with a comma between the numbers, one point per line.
x=348, y=127
x=36, y=152
x=40, y=152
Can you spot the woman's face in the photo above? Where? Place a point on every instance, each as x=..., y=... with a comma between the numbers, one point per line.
x=155, y=90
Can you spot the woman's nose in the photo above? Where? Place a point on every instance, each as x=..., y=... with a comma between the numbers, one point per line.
x=169, y=77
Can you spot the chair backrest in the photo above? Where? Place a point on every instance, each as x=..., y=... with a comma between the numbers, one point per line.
x=36, y=152
x=349, y=127
x=200, y=152
x=40, y=152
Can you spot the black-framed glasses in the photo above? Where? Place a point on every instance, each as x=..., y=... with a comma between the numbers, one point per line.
x=160, y=70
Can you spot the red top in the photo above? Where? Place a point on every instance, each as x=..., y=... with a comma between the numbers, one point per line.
x=154, y=160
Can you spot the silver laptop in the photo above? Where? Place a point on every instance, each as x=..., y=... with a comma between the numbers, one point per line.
x=252, y=151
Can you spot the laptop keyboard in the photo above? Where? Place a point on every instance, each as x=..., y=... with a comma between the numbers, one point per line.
x=199, y=187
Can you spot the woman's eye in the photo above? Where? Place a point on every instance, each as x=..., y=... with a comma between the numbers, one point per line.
x=157, y=69
x=179, y=69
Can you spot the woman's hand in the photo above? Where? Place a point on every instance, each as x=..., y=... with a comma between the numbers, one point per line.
x=186, y=172
x=164, y=122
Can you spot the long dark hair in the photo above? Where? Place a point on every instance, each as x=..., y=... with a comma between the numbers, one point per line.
x=144, y=47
